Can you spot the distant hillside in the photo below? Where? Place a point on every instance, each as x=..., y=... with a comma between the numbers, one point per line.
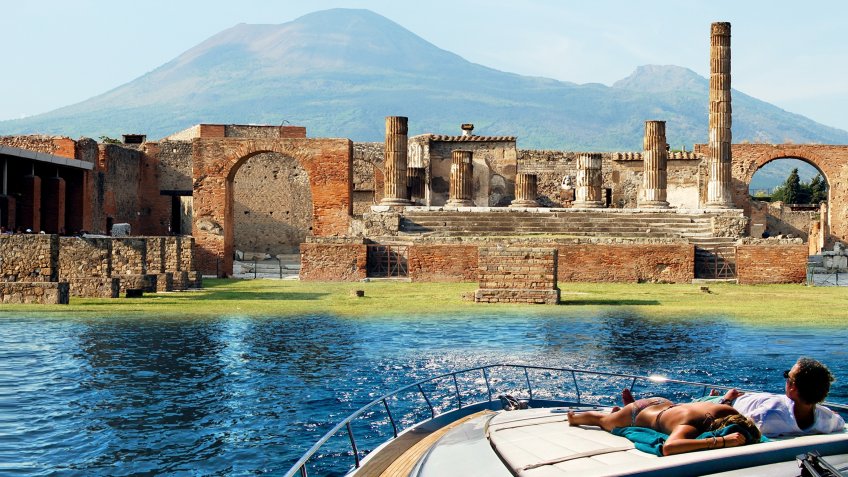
x=340, y=72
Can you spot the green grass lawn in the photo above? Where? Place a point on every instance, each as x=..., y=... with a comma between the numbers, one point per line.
x=789, y=305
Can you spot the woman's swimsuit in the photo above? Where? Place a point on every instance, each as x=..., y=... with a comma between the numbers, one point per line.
x=641, y=404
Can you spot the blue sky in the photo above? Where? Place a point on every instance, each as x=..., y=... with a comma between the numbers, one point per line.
x=793, y=54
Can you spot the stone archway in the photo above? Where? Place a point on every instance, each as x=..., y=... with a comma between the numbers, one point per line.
x=215, y=161
x=272, y=205
x=832, y=161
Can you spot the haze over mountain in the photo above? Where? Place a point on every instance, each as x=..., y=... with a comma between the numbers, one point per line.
x=340, y=72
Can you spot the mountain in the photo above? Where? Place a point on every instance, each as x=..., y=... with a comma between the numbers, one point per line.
x=340, y=72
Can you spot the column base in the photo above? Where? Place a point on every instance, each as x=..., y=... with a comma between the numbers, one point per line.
x=395, y=202
x=459, y=203
x=588, y=205
x=524, y=203
x=654, y=204
x=719, y=205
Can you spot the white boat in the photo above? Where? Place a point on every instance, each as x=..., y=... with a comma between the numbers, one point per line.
x=483, y=439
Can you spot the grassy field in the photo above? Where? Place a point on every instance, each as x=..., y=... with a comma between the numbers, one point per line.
x=790, y=305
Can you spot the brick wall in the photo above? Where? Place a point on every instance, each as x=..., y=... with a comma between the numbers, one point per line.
x=442, y=263
x=517, y=275
x=771, y=263
x=174, y=162
x=668, y=263
x=29, y=258
x=332, y=262
x=272, y=205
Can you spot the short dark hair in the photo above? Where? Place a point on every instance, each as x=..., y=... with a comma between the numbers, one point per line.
x=812, y=380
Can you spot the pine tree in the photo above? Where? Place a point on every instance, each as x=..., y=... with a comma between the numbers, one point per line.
x=791, y=188
x=818, y=190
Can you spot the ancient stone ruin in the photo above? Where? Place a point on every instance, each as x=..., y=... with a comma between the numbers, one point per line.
x=430, y=207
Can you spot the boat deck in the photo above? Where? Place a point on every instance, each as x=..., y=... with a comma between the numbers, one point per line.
x=399, y=457
x=540, y=443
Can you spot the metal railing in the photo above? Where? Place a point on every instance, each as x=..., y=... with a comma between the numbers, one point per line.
x=299, y=467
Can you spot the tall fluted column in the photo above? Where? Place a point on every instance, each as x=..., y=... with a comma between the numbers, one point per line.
x=589, y=181
x=394, y=188
x=719, y=158
x=461, y=180
x=655, y=166
x=525, y=191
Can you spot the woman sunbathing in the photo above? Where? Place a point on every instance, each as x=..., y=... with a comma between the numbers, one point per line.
x=682, y=422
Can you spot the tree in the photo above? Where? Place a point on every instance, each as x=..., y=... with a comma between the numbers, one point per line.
x=818, y=190
x=790, y=191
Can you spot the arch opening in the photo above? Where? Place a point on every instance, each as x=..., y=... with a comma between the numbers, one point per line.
x=789, y=197
x=271, y=205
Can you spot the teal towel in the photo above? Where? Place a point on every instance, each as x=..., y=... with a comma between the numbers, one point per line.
x=651, y=441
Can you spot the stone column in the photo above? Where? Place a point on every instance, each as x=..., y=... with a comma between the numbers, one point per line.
x=525, y=191
x=719, y=158
x=461, y=180
x=655, y=164
x=589, y=181
x=394, y=185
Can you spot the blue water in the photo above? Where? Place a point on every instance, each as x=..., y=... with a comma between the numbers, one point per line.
x=246, y=396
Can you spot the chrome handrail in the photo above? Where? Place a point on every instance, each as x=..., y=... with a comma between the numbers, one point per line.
x=299, y=468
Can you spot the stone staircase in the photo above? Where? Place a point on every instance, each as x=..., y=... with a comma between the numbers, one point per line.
x=286, y=267
x=646, y=225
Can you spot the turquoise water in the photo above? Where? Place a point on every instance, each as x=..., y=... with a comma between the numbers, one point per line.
x=239, y=396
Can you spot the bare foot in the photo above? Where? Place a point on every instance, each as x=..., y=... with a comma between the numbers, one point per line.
x=571, y=422
x=627, y=396
x=714, y=392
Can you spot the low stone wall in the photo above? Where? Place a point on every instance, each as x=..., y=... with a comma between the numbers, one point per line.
x=442, y=263
x=185, y=248
x=180, y=281
x=165, y=282
x=332, y=262
x=759, y=264
x=95, y=287
x=144, y=282
x=44, y=293
x=517, y=275
x=195, y=279
x=663, y=263
x=29, y=258
x=129, y=256
x=84, y=257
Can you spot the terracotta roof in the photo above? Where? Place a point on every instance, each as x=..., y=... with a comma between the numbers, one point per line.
x=446, y=138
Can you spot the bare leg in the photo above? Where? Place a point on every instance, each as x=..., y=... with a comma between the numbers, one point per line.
x=608, y=422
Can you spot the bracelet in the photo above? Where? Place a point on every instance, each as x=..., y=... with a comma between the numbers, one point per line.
x=714, y=443
x=725, y=401
x=723, y=443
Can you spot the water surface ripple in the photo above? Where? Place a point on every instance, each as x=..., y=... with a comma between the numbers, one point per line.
x=246, y=396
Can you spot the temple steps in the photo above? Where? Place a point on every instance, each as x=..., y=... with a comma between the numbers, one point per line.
x=573, y=224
